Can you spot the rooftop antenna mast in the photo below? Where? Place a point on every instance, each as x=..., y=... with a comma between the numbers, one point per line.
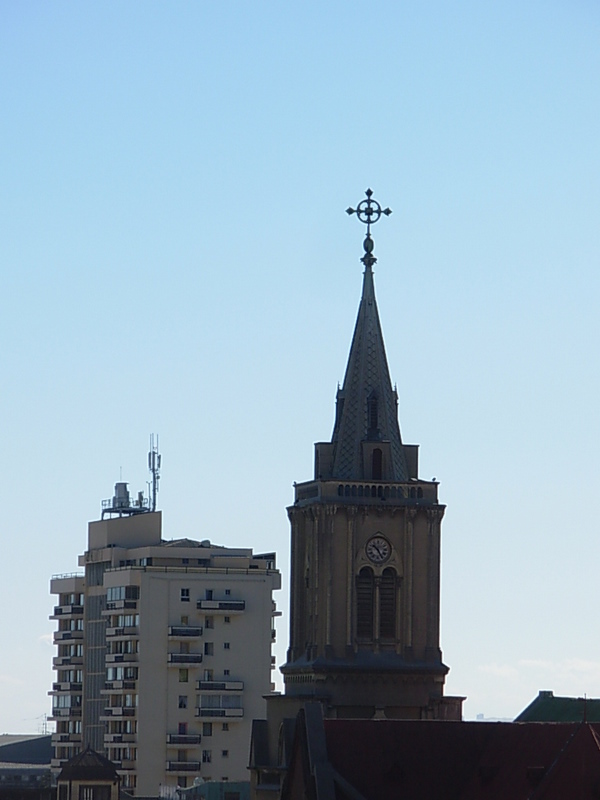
x=154, y=459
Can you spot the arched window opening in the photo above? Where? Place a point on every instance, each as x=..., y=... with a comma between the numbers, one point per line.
x=387, y=604
x=377, y=464
x=365, y=603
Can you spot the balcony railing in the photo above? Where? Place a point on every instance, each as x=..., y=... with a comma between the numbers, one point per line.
x=184, y=738
x=119, y=738
x=120, y=711
x=132, y=630
x=184, y=658
x=183, y=766
x=62, y=636
x=65, y=712
x=224, y=606
x=184, y=632
x=112, y=685
x=66, y=687
x=67, y=661
x=74, y=738
x=220, y=686
x=113, y=605
x=219, y=712
x=63, y=611
x=119, y=658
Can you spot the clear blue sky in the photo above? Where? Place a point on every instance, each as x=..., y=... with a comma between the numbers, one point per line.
x=176, y=258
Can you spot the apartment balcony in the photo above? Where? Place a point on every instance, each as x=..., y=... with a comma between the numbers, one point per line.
x=115, y=605
x=61, y=612
x=65, y=636
x=67, y=661
x=219, y=712
x=112, y=685
x=184, y=632
x=184, y=658
x=66, y=738
x=118, y=712
x=119, y=738
x=125, y=765
x=183, y=738
x=61, y=713
x=222, y=606
x=120, y=658
x=69, y=688
x=220, y=686
x=129, y=632
x=183, y=766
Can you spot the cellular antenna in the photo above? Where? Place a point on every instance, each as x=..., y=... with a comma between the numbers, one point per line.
x=154, y=459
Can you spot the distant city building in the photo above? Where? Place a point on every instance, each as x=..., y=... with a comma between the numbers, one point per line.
x=164, y=653
x=548, y=708
x=25, y=767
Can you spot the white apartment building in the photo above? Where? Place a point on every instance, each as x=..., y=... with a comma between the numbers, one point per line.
x=164, y=654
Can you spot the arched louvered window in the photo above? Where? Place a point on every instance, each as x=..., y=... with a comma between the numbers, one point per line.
x=373, y=412
x=377, y=464
x=365, y=603
x=387, y=604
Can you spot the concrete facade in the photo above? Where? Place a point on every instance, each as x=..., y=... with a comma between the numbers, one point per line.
x=164, y=654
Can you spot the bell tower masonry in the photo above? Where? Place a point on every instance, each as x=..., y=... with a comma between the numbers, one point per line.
x=365, y=555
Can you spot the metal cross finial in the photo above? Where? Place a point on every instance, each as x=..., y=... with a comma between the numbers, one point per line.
x=369, y=212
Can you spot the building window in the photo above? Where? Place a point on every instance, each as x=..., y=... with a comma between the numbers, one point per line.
x=226, y=673
x=206, y=756
x=182, y=728
x=185, y=620
x=208, y=594
x=365, y=603
x=225, y=753
x=227, y=592
x=207, y=729
x=183, y=676
x=208, y=648
x=225, y=726
x=209, y=623
x=373, y=413
x=387, y=604
x=209, y=675
x=182, y=701
x=185, y=595
x=226, y=646
x=377, y=464
x=227, y=620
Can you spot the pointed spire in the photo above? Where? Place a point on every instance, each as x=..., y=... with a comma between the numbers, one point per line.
x=367, y=405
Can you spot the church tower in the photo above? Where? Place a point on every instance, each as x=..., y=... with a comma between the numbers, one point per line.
x=365, y=556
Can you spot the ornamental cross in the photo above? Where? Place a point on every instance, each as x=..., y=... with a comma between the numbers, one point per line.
x=369, y=212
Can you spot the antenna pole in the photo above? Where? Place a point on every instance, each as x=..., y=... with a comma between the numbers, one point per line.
x=154, y=460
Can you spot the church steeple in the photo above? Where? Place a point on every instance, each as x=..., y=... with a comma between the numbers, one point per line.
x=367, y=405
x=366, y=441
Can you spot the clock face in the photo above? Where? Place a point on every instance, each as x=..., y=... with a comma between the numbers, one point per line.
x=378, y=549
